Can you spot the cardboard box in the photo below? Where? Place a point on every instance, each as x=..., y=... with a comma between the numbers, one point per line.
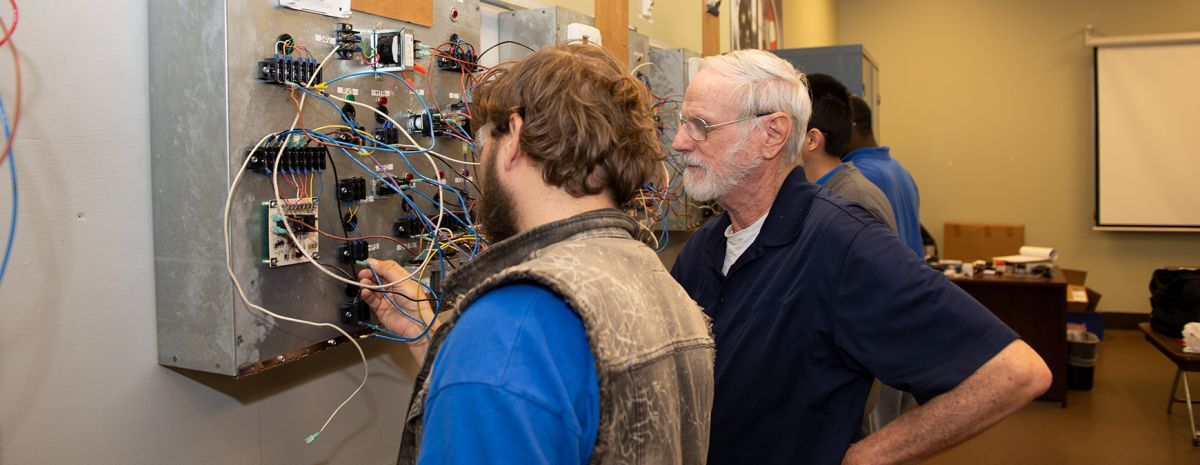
x=1080, y=298
x=981, y=241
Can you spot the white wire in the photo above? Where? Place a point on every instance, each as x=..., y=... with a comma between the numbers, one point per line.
x=407, y=135
x=291, y=233
x=648, y=63
x=242, y=293
x=454, y=160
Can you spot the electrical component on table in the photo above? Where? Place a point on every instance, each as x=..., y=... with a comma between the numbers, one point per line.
x=282, y=68
x=347, y=39
x=294, y=160
x=279, y=249
x=394, y=49
x=351, y=189
x=461, y=56
x=353, y=251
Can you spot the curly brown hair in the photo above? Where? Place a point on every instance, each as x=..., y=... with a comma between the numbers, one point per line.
x=586, y=121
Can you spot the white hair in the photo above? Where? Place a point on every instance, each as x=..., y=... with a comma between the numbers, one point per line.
x=766, y=83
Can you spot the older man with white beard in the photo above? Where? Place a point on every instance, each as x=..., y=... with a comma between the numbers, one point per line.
x=811, y=297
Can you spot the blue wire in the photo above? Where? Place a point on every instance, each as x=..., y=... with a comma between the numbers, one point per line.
x=387, y=296
x=428, y=114
x=12, y=172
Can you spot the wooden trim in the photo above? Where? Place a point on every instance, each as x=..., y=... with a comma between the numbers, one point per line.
x=710, y=31
x=1147, y=39
x=612, y=19
x=1123, y=320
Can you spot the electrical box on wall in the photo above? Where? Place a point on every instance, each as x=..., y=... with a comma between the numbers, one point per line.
x=850, y=64
x=639, y=49
x=538, y=28
x=668, y=79
x=223, y=108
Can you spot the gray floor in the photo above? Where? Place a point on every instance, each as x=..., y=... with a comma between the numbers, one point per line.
x=1122, y=420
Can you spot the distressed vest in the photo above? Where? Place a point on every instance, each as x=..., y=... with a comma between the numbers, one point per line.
x=652, y=345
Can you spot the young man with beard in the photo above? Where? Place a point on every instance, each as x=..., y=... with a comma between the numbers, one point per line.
x=811, y=297
x=567, y=342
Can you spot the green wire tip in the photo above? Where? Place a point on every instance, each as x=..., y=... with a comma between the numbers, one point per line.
x=312, y=437
x=362, y=263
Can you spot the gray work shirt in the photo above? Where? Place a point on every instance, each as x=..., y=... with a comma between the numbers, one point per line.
x=851, y=185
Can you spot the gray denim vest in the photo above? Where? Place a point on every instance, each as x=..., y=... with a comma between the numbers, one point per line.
x=653, y=346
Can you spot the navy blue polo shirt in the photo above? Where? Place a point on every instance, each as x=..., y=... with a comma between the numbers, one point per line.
x=825, y=299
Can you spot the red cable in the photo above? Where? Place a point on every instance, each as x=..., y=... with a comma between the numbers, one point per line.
x=17, y=69
x=16, y=17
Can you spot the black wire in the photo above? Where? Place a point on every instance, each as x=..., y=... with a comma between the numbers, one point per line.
x=401, y=294
x=341, y=216
x=480, y=57
x=458, y=173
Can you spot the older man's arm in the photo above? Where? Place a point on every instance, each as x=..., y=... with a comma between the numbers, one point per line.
x=1010, y=380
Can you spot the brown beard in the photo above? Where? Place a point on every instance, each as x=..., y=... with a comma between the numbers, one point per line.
x=496, y=209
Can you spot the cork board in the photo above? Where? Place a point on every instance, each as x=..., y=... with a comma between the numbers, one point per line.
x=413, y=11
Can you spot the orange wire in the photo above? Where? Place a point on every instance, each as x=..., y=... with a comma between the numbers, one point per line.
x=17, y=69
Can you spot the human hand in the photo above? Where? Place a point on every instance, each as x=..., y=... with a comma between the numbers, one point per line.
x=407, y=295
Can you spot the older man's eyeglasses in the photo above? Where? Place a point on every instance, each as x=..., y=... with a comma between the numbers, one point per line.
x=698, y=129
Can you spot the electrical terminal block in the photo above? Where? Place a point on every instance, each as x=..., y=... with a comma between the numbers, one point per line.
x=460, y=58
x=282, y=69
x=351, y=189
x=294, y=160
x=348, y=41
x=353, y=251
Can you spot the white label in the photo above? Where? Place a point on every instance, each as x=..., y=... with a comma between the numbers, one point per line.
x=459, y=180
x=372, y=246
x=369, y=199
x=325, y=39
x=381, y=93
x=387, y=167
x=421, y=92
x=347, y=91
x=453, y=95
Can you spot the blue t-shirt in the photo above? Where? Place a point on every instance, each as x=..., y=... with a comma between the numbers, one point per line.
x=877, y=165
x=824, y=300
x=515, y=382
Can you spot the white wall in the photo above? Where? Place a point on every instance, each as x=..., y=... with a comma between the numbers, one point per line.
x=79, y=381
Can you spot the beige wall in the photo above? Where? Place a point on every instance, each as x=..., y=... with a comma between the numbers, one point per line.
x=810, y=23
x=674, y=23
x=989, y=105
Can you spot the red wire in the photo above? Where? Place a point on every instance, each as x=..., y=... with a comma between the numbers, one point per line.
x=16, y=17
x=17, y=69
x=340, y=238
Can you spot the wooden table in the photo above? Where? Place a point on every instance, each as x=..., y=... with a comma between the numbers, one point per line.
x=1184, y=362
x=1034, y=307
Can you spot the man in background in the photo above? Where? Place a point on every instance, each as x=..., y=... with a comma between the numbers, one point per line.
x=825, y=143
x=877, y=164
x=568, y=342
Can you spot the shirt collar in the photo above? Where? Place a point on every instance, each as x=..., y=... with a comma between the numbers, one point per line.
x=882, y=153
x=824, y=179
x=788, y=210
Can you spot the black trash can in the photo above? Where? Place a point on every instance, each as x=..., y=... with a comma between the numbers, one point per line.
x=1081, y=360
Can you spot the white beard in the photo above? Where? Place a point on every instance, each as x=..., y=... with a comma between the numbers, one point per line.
x=714, y=184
